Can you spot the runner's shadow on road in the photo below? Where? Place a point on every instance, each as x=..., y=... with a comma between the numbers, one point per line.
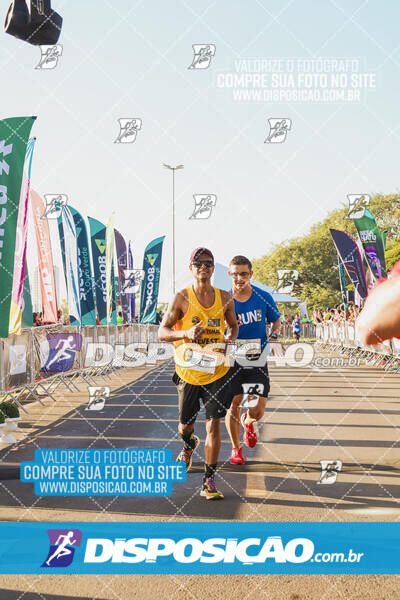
x=353, y=494
x=335, y=442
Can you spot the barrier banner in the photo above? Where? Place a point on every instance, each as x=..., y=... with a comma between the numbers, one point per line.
x=351, y=258
x=17, y=359
x=63, y=349
x=71, y=264
x=122, y=259
x=373, y=243
x=86, y=296
x=193, y=548
x=57, y=350
x=14, y=135
x=98, y=244
x=46, y=269
x=132, y=296
x=20, y=268
x=150, y=284
x=89, y=337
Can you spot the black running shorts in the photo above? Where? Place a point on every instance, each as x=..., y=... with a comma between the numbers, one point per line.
x=250, y=380
x=216, y=397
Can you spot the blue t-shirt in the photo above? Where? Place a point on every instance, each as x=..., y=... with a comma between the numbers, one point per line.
x=254, y=313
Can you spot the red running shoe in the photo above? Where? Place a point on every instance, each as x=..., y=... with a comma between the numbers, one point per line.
x=236, y=457
x=249, y=436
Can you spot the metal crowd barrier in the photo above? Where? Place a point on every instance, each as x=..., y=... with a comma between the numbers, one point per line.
x=25, y=360
x=25, y=368
x=342, y=337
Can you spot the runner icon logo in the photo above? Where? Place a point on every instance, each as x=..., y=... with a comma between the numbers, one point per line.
x=49, y=56
x=63, y=543
x=330, y=470
x=54, y=205
x=357, y=205
x=97, y=397
x=63, y=347
x=128, y=129
x=278, y=129
x=203, y=205
x=251, y=394
x=203, y=54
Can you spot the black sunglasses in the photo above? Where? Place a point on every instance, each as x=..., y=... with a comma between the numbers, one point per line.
x=206, y=263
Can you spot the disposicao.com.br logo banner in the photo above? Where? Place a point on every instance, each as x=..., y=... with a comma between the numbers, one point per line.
x=224, y=547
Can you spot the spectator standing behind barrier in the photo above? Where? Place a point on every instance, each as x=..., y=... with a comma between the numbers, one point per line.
x=327, y=314
x=37, y=319
x=317, y=316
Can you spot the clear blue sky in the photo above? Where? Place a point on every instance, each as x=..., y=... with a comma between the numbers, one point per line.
x=130, y=59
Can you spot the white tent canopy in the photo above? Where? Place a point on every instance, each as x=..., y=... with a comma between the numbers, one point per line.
x=223, y=281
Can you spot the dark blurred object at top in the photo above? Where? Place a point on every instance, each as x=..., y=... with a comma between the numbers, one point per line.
x=33, y=21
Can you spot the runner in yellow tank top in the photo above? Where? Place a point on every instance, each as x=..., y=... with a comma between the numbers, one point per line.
x=195, y=363
x=195, y=322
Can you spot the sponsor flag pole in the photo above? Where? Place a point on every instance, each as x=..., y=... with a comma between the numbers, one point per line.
x=122, y=259
x=352, y=260
x=98, y=245
x=86, y=295
x=71, y=264
x=20, y=269
x=109, y=266
x=27, y=314
x=151, y=281
x=373, y=243
x=132, y=296
x=14, y=135
x=46, y=268
x=342, y=278
x=62, y=243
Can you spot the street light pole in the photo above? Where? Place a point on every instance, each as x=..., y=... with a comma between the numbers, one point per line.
x=173, y=169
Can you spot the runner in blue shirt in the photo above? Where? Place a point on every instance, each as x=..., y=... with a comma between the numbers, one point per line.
x=297, y=328
x=254, y=308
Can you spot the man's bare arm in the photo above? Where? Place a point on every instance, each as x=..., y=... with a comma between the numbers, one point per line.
x=175, y=312
x=276, y=327
x=232, y=330
x=379, y=320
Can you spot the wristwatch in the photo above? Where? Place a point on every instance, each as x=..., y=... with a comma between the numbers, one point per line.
x=274, y=336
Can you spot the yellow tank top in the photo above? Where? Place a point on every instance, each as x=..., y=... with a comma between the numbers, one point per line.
x=200, y=363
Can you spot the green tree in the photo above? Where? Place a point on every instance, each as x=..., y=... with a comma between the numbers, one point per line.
x=314, y=255
x=392, y=254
